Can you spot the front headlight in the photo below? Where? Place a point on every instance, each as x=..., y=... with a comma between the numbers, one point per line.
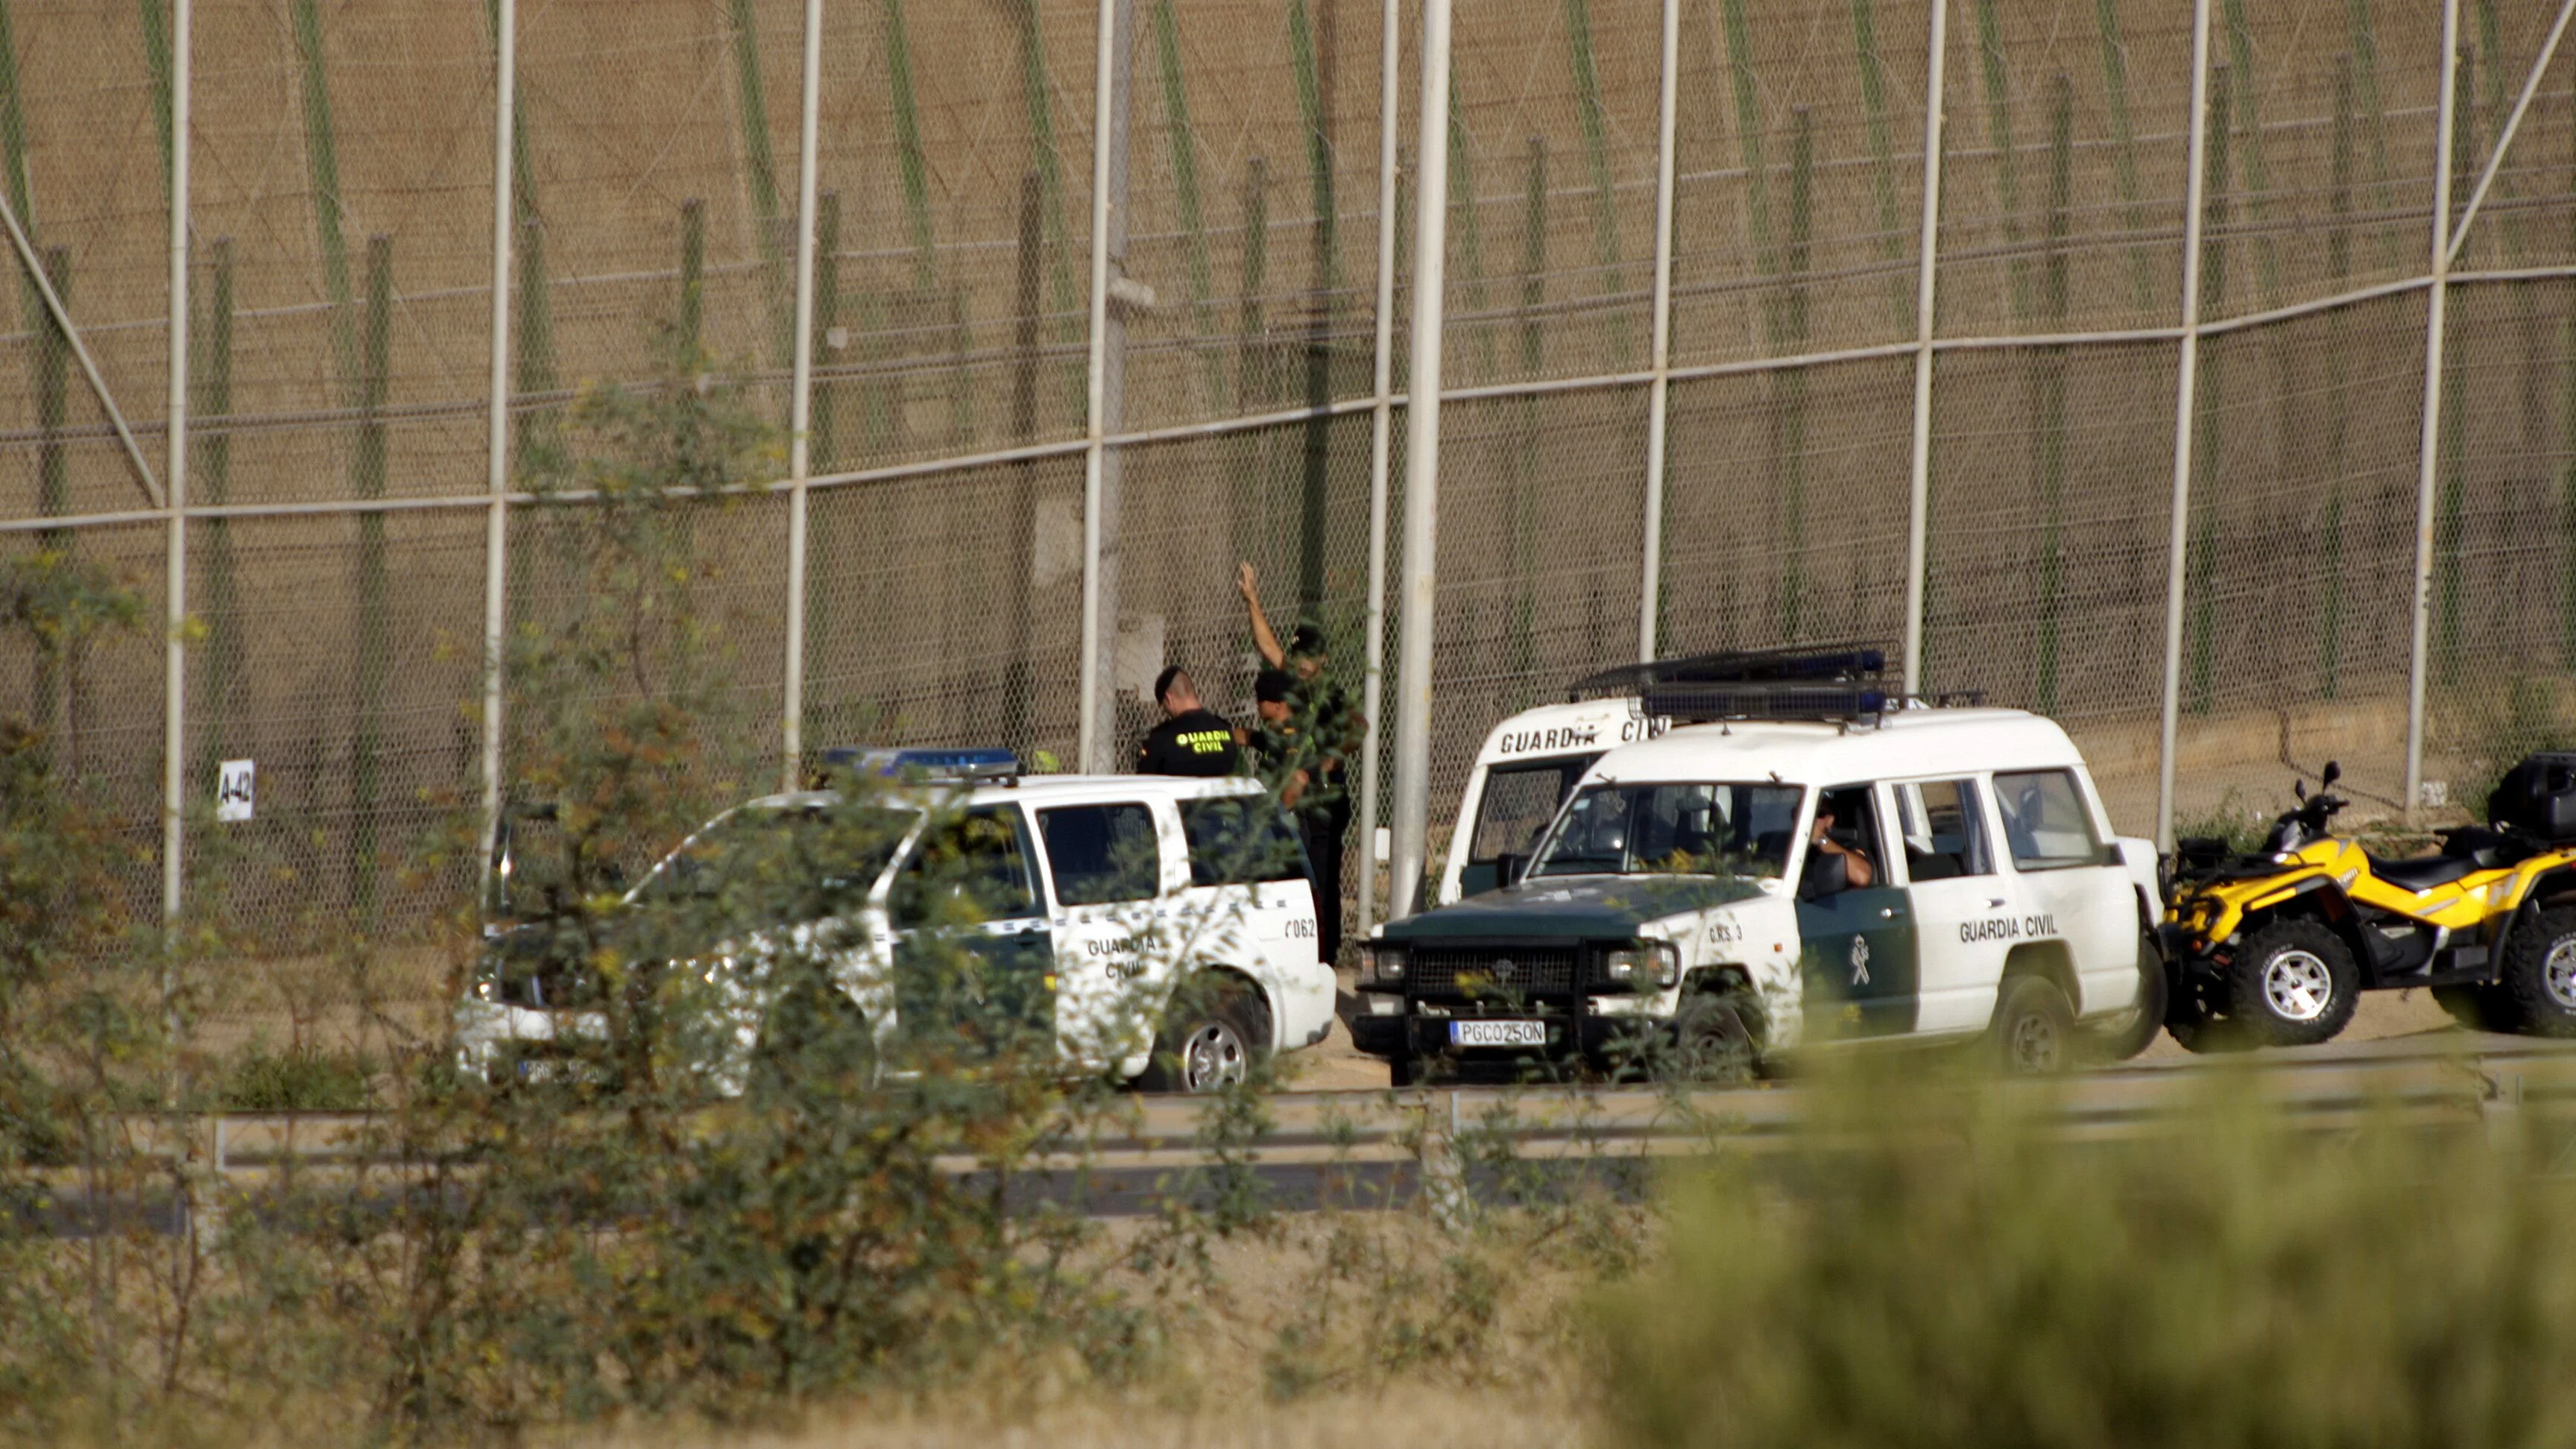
x=1385, y=964
x=1646, y=965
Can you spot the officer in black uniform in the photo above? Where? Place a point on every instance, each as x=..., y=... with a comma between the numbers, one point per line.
x=1192, y=739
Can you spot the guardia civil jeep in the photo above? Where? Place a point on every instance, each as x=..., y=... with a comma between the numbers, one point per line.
x=1799, y=860
x=1155, y=929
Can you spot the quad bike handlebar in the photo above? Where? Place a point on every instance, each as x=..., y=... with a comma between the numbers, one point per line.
x=2306, y=823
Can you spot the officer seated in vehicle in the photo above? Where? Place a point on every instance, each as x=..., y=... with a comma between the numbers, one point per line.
x=1826, y=846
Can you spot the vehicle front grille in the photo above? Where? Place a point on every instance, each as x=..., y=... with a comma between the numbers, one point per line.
x=1493, y=970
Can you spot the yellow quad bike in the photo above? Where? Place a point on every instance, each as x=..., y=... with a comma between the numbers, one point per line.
x=2274, y=948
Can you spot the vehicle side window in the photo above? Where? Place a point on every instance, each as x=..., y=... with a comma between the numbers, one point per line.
x=1240, y=839
x=1854, y=827
x=1519, y=801
x=2045, y=821
x=1098, y=854
x=974, y=867
x=1945, y=832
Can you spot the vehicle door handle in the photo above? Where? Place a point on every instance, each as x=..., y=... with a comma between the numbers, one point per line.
x=1887, y=913
x=1995, y=903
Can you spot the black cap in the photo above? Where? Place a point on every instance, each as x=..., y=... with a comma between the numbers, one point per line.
x=1306, y=638
x=1273, y=686
x=1163, y=681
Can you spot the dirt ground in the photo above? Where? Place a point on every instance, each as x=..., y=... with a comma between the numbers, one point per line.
x=1335, y=1065
x=1417, y=1417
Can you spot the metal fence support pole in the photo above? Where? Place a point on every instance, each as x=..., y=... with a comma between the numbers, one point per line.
x=496, y=534
x=800, y=406
x=1100, y=491
x=2186, y=388
x=2428, y=455
x=1926, y=275
x=1650, y=587
x=174, y=684
x=1420, y=592
x=1381, y=423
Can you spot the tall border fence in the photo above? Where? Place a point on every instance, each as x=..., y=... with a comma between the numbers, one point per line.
x=2203, y=375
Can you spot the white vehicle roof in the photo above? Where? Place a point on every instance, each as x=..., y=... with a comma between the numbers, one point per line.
x=1906, y=743
x=1035, y=791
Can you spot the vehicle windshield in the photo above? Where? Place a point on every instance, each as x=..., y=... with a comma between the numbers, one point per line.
x=1674, y=829
x=802, y=862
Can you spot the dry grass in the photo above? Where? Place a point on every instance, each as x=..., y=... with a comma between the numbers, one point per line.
x=1417, y=1416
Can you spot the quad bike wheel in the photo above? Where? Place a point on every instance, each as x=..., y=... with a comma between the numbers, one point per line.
x=2034, y=1029
x=2293, y=984
x=2193, y=1021
x=2477, y=1006
x=2154, y=999
x=2538, y=983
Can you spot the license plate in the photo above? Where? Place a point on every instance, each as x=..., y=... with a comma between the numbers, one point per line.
x=1498, y=1033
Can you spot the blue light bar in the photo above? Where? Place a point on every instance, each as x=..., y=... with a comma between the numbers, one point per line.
x=893, y=762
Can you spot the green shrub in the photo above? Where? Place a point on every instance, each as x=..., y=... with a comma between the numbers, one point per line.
x=299, y=1079
x=1938, y=1273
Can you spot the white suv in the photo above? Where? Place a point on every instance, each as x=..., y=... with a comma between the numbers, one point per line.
x=1100, y=897
x=1680, y=888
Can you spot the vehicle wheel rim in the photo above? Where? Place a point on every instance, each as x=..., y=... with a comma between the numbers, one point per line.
x=2036, y=1044
x=2298, y=987
x=2558, y=973
x=1213, y=1057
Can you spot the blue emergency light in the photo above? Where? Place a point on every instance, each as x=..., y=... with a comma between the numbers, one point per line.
x=893, y=762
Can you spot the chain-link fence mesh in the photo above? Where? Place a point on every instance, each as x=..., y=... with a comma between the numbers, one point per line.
x=340, y=300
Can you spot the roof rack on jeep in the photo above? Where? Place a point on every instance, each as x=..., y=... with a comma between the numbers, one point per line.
x=1813, y=682
x=899, y=762
x=1806, y=664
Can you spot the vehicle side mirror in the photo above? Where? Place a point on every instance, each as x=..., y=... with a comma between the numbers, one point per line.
x=1510, y=868
x=2334, y=772
x=1826, y=875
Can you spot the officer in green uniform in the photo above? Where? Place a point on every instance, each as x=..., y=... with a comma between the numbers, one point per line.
x=1331, y=732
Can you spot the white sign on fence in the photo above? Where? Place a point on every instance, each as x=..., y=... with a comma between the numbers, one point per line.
x=235, y=781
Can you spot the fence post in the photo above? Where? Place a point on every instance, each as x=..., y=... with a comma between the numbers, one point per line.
x=174, y=684
x=1381, y=420
x=1927, y=273
x=1405, y=868
x=2186, y=388
x=2428, y=451
x=1101, y=468
x=496, y=534
x=800, y=405
x=1650, y=587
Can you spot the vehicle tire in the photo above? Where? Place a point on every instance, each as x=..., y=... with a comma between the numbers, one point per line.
x=1711, y=1042
x=2538, y=983
x=2293, y=984
x=2034, y=1029
x=2154, y=996
x=1403, y=1071
x=813, y=1029
x=2478, y=1007
x=1214, y=1036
